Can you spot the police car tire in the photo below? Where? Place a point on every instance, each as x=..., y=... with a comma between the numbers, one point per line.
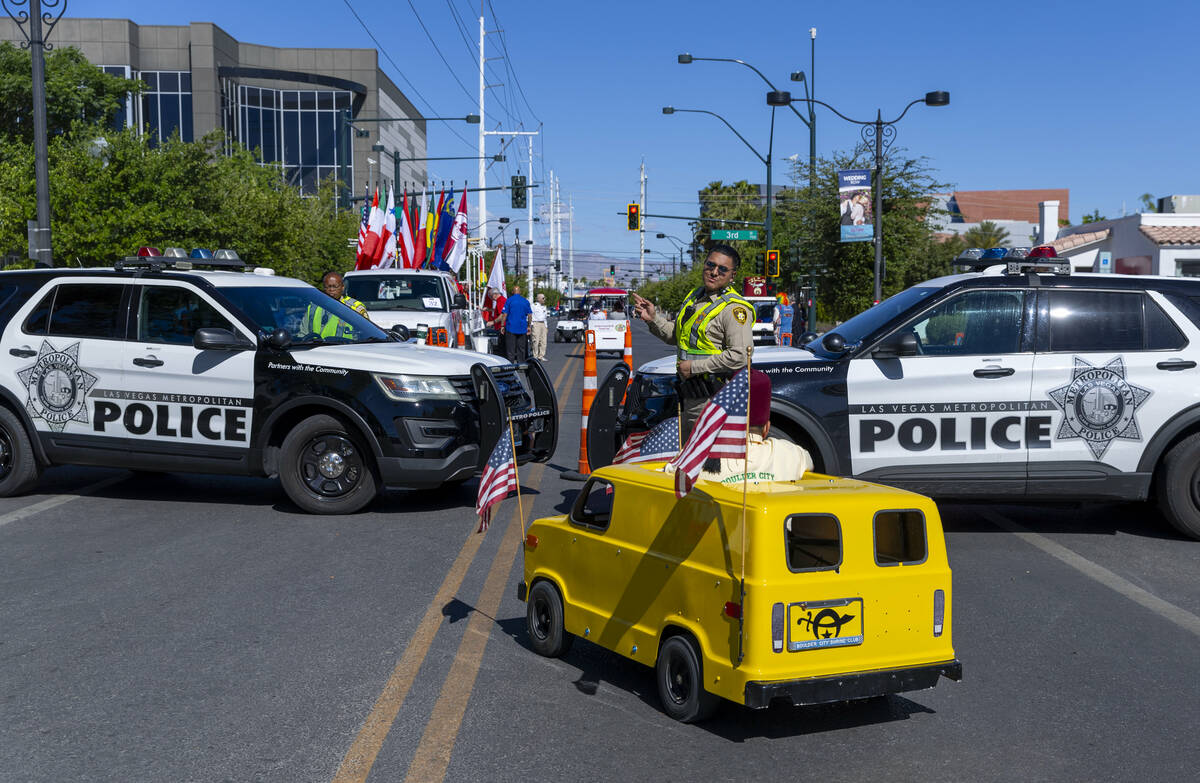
x=679, y=674
x=1179, y=487
x=19, y=468
x=544, y=621
x=310, y=437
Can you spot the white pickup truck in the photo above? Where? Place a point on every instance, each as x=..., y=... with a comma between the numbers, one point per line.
x=419, y=299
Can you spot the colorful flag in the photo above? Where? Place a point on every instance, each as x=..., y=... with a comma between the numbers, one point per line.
x=405, y=239
x=374, y=235
x=445, y=224
x=662, y=442
x=362, y=227
x=387, y=251
x=419, y=244
x=498, y=479
x=719, y=432
x=430, y=217
x=456, y=250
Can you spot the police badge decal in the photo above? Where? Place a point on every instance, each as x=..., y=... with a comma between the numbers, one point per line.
x=1099, y=405
x=57, y=386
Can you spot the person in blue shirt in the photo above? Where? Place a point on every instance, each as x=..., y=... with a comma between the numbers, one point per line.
x=517, y=314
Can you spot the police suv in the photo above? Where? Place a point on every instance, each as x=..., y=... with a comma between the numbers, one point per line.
x=1016, y=381
x=155, y=365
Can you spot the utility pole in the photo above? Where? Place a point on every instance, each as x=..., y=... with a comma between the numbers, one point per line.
x=482, y=136
x=642, y=229
x=557, y=227
x=571, y=261
x=550, y=206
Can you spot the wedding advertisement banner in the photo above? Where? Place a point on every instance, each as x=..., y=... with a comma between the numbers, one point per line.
x=854, y=195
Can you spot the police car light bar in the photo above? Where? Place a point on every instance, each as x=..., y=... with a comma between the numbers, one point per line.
x=1043, y=258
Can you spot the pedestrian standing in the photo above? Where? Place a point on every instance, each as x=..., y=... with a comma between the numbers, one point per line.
x=713, y=332
x=517, y=314
x=537, y=329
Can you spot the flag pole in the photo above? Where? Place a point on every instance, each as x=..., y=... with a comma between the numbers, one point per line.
x=517, y=475
x=745, y=490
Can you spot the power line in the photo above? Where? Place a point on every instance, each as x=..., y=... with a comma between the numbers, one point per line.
x=438, y=49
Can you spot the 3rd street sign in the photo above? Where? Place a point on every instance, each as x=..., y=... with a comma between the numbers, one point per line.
x=745, y=234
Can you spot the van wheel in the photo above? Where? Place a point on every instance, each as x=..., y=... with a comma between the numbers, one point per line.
x=324, y=469
x=19, y=469
x=544, y=619
x=1179, y=486
x=681, y=681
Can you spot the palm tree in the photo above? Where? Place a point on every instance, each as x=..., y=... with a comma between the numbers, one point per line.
x=986, y=234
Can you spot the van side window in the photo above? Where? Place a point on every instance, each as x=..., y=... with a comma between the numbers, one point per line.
x=594, y=505
x=87, y=310
x=38, y=321
x=814, y=542
x=900, y=538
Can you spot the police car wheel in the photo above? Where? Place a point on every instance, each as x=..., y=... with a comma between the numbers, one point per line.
x=680, y=679
x=324, y=469
x=544, y=621
x=18, y=467
x=1179, y=487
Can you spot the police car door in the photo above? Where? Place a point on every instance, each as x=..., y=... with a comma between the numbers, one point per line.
x=61, y=347
x=175, y=394
x=958, y=410
x=1114, y=368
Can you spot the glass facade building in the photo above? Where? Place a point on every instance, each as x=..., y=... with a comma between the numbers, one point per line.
x=295, y=128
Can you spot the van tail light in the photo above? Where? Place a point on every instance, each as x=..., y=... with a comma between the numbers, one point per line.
x=777, y=628
x=939, y=611
x=733, y=610
x=531, y=542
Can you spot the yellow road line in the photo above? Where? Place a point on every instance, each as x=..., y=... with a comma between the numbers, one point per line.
x=432, y=756
x=359, y=759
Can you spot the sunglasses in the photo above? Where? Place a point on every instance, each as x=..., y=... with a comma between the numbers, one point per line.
x=710, y=266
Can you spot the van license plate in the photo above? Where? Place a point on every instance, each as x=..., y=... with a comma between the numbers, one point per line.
x=817, y=624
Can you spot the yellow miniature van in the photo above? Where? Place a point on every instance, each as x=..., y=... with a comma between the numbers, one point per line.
x=846, y=592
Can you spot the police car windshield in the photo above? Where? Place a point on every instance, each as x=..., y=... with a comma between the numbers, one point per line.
x=416, y=292
x=309, y=315
x=869, y=321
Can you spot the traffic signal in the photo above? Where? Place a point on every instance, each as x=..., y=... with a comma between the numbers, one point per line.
x=518, y=191
x=760, y=264
x=772, y=263
x=558, y=265
x=633, y=214
x=612, y=270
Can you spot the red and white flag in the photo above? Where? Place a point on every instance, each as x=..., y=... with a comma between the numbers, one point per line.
x=456, y=247
x=404, y=240
x=374, y=236
x=662, y=442
x=387, y=255
x=498, y=479
x=362, y=227
x=496, y=278
x=719, y=432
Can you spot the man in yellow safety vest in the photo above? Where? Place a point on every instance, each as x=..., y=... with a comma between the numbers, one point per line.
x=319, y=321
x=713, y=332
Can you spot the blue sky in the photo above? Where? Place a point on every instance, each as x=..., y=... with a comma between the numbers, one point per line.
x=1098, y=97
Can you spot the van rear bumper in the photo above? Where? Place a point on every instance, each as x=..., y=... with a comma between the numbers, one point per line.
x=845, y=687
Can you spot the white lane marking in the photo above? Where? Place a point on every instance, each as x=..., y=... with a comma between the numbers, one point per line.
x=57, y=500
x=1181, y=617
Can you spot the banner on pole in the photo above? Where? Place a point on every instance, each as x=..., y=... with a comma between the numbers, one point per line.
x=854, y=197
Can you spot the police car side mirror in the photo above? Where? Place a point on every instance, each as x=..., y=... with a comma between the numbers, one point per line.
x=400, y=332
x=213, y=339
x=833, y=342
x=905, y=344
x=280, y=338
x=460, y=302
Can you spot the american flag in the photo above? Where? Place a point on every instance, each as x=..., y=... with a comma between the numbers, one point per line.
x=719, y=432
x=661, y=442
x=498, y=479
x=362, y=227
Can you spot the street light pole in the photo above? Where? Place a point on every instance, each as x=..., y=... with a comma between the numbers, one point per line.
x=882, y=134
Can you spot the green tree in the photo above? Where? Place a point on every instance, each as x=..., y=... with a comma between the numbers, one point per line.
x=1094, y=217
x=1148, y=203
x=76, y=92
x=986, y=234
x=174, y=194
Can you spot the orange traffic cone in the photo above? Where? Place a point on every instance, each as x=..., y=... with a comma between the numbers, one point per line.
x=462, y=338
x=589, y=394
x=628, y=355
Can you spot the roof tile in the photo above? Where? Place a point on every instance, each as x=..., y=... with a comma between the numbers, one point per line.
x=1172, y=235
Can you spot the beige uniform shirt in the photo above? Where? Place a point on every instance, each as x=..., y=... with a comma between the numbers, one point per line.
x=769, y=460
x=732, y=333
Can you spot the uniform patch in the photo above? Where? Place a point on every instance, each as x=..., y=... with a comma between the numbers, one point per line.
x=57, y=386
x=1099, y=405
x=740, y=314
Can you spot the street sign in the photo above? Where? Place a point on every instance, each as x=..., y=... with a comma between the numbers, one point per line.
x=1104, y=262
x=744, y=234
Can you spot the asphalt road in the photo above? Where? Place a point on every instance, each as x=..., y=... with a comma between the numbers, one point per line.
x=179, y=628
